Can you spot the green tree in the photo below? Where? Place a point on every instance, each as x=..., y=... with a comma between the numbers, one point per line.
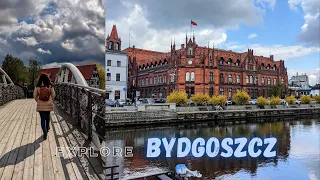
x=278, y=90
x=15, y=69
x=33, y=70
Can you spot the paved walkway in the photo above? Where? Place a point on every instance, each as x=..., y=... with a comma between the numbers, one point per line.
x=25, y=155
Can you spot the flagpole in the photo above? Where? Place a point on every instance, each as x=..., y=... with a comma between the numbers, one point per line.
x=191, y=27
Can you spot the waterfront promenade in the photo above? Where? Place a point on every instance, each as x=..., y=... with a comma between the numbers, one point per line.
x=25, y=155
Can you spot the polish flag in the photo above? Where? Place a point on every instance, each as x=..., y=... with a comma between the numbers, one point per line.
x=193, y=23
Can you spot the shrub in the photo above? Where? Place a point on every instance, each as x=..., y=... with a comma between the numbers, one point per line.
x=306, y=99
x=275, y=101
x=200, y=99
x=261, y=101
x=317, y=98
x=178, y=97
x=218, y=100
x=241, y=97
x=291, y=99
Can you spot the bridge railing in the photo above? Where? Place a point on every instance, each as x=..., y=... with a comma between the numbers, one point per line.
x=9, y=92
x=84, y=104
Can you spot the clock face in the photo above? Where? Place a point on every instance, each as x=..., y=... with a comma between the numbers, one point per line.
x=190, y=62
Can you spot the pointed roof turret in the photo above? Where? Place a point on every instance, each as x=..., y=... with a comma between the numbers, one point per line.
x=114, y=33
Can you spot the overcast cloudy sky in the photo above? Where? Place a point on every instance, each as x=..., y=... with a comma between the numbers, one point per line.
x=53, y=31
x=287, y=29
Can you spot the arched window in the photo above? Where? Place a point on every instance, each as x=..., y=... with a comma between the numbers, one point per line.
x=268, y=67
x=192, y=76
x=238, y=63
x=238, y=79
x=164, y=79
x=229, y=61
x=190, y=51
x=230, y=78
x=255, y=80
x=211, y=76
x=187, y=76
x=221, y=78
x=151, y=80
x=221, y=91
x=262, y=66
x=275, y=81
x=282, y=81
x=269, y=81
x=275, y=67
x=251, y=79
x=247, y=79
x=262, y=80
x=221, y=61
x=246, y=66
x=230, y=93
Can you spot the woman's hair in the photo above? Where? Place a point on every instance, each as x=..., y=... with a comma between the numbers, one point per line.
x=44, y=81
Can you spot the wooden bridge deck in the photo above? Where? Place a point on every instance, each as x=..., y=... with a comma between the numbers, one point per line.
x=25, y=155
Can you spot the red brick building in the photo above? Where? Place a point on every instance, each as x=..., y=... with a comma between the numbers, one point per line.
x=202, y=69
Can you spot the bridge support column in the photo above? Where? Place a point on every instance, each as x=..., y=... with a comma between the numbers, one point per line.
x=66, y=74
x=89, y=108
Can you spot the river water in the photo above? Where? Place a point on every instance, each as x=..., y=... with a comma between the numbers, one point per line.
x=297, y=151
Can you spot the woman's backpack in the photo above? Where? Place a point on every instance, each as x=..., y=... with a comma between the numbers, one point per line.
x=44, y=94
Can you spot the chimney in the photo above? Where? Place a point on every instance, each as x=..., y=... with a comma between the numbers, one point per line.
x=182, y=46
x=271, y=58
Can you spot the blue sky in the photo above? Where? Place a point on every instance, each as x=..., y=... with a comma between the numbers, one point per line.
x=287, y=29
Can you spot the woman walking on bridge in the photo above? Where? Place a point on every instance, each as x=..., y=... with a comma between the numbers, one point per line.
x=44, y=95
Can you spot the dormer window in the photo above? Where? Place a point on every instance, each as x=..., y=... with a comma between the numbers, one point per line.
x=190, y=51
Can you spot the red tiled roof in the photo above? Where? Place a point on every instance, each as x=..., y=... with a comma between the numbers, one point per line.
x=114, y=33
x=86, y=71
x=142, y=54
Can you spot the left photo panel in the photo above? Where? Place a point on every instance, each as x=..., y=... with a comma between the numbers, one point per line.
x=52, y=89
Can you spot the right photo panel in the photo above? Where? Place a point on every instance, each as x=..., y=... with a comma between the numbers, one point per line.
x=212, y=89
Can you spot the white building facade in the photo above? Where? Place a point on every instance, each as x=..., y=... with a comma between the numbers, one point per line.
x=116, y=67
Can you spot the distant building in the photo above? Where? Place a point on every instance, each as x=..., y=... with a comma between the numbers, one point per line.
x=299, y=85
x=315, y=90
x=116, y=67
x=89, y=72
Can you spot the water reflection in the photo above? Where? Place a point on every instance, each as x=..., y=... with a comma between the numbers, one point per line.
x=297, y=149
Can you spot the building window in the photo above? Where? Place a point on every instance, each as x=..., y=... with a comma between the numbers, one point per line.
x=133, y=81
x=147, y=81
x=255, y=80
x=221, y=91
x=247, y=79
x=269, y=81
x=211, y=91
x=118, y=77
x=230, y=79
x=238, y=63
x=118, y=63
x=275, y=81
x=221, y=78
x=211, y=76
x=238, y=79
x=192, y=76
x=262, y=81
x=192, y=90
x=254, y=67
x=221, y=61
x=160, y=79
x=117, y=94
x=229, y=62
x=142, y=82
x=282, y=81
x=187, y=76
x=268, y=67
x=246, y=66
x=210, y=62
x=108, y=76
x=275, y=67
x=262, y=66
x=108, y=62
x=150, y=81
x=251, y=79
x=230, y=93
x=190, y=51
x=164, y=79
x=172, y=77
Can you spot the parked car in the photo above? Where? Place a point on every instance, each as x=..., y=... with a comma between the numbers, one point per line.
x=163, y=100
x=253, y=101
x=313, y=101
x=157, y=100
x=110, y=102
x=148, y=101
x=120, y=102
x=190, y=103
x=230, y=102
x=298, y=101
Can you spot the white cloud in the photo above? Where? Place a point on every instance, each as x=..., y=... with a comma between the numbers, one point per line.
x=29, y=41
x=42, y=51
x=253, y=35
x=265, y=3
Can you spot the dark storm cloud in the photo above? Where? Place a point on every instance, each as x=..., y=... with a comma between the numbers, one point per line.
x=56, y=31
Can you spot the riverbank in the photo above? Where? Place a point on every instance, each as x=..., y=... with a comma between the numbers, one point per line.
x=123, y=119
